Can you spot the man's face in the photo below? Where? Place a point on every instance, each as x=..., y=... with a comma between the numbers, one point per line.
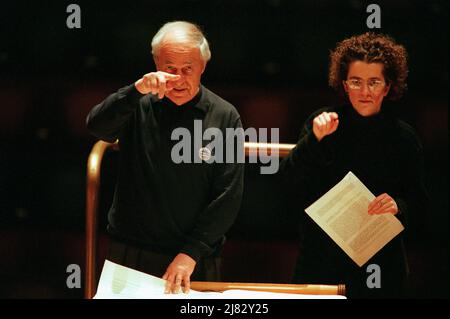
x=366, y=87
x=185, y=60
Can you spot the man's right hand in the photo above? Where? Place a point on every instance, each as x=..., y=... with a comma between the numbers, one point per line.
x=325, y=124
x=156, y=83
x=178, y=273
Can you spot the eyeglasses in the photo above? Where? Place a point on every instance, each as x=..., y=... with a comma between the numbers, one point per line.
x=373, y=85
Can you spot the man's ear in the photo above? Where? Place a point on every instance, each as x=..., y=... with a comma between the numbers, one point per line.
x=204, y=67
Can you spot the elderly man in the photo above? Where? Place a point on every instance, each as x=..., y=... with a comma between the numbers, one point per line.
x=169, y=218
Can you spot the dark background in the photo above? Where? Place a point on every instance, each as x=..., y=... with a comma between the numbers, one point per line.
x=269, y=58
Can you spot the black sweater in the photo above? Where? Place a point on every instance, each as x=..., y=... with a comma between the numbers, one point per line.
x=158, y=204
x=386, y=155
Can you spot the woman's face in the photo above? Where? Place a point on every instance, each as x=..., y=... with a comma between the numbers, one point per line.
x=366, y=87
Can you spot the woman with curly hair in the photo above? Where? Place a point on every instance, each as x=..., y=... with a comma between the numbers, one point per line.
x=365, y=137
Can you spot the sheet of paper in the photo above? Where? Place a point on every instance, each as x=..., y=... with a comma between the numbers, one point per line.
x=342, y=214
x=119, y=282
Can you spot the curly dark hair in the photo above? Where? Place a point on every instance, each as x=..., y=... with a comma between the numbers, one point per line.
x=371, y=48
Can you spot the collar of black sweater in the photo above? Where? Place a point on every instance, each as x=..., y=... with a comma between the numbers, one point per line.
x=368, y=121
x=195, y=102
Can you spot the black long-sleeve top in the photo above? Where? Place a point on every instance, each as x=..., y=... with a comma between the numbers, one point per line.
x=386, y=155
x=159, y=204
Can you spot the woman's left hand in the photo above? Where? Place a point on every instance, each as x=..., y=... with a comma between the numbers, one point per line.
x=383, y=204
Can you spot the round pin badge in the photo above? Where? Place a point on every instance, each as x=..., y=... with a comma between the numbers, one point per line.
x=204, y=153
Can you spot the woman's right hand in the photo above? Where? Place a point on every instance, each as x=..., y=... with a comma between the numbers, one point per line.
x=325, y=124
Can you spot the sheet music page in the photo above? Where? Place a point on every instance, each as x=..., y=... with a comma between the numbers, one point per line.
x=342, y=214
x=119, y=282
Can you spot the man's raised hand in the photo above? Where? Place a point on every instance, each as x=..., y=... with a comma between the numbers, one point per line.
x=156, y=83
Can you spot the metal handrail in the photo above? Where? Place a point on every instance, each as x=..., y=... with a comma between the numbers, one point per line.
x=92, y=199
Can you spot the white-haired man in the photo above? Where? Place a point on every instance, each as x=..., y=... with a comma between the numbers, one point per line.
x=169, y=219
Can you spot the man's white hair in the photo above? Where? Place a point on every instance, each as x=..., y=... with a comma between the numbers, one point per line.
x=192, y=32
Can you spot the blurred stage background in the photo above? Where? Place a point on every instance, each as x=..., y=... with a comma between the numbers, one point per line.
x=269, y=58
